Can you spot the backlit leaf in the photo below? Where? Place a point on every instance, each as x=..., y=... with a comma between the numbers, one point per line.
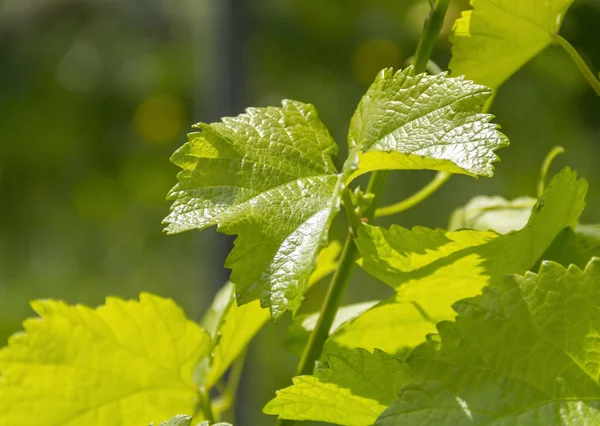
x=497, y=37
x=124, y=363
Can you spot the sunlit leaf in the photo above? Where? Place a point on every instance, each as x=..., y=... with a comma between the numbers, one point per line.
x=424, y=122
x=431, y=269
x=267, y=176
x=124, y=363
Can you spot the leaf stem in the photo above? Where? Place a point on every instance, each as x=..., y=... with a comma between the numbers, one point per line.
x=587, y=73
x=439, y=179
x=555, y=152
x=433, y=25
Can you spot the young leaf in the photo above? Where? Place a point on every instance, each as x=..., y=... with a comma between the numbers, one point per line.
x=424, y=122
x=525, y=352
x=496, y=38
x=124, y=363
x=497, y=213
x=233, y=326
x=353, y=391
x=267, y=176
x=431, y=269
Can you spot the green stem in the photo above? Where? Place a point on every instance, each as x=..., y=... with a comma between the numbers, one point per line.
x=350, y=212
x=431, y=31
x=205, y=405
x=439, y=179
x=587, y=73
x=555, y=152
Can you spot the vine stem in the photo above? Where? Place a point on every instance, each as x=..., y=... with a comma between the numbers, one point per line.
x=587, y=73
x=339, y=282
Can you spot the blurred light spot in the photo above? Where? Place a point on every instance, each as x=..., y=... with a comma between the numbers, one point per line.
x=160, y=118
x=373, y=55
x=80, y=69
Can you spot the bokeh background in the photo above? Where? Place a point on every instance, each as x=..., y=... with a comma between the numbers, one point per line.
x=96, y=94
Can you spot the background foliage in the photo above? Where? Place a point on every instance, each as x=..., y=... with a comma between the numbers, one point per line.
x=96, y=94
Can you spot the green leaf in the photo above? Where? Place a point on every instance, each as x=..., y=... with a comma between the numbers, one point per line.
x=353, y=391
x=124, y=363
x=525, y=352
x=233, y=327
x=496, y=38
x=496, y=213
x=424, y=122
x=575, y=246
x=267, y=176
x=431, y=269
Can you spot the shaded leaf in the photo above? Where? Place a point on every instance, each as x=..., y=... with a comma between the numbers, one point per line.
x=525, y=352
x=353, y=390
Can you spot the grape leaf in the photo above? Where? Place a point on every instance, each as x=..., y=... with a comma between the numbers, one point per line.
x=431, y=269
x=353, y=391
x=576, y=246
x=267, y=176
x=525, y=352
x=233, y=327
x=495, y=213
x=124, y=363
x=424, y=122
x=497, y=37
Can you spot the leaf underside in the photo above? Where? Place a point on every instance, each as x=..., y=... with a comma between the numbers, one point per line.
x=496, y=38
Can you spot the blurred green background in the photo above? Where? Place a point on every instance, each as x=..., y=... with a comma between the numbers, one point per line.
x=96, y=94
